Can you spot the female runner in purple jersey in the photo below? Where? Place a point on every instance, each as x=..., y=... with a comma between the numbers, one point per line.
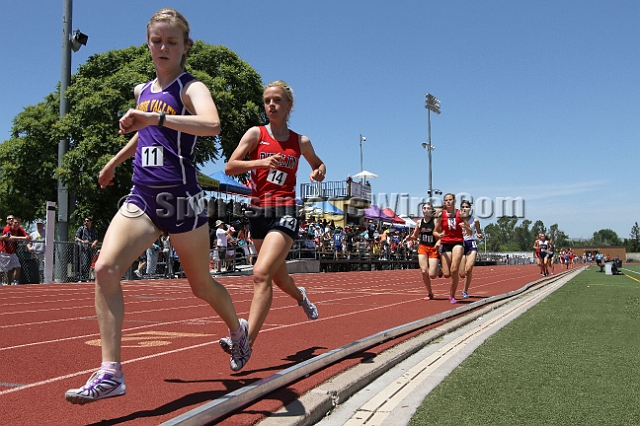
x=171, y=112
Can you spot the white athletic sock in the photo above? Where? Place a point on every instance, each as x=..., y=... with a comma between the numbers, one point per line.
x=236, y=335
x=113, y=368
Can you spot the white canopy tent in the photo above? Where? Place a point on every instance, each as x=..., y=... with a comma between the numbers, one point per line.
x=365, y=175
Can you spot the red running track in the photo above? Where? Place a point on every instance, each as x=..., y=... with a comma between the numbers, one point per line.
x=49, y=341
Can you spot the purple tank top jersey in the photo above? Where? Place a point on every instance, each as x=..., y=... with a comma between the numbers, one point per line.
x=164, y=156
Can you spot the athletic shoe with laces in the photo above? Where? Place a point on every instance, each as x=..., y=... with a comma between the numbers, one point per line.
x=100, y=385
x=452, y=300
x=309, y=308
x=226, y=343
x=465, y=295
x=240, y=350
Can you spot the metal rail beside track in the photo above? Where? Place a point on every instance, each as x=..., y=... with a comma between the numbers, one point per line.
x=221, y=407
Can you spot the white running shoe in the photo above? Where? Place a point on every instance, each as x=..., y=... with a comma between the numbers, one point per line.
x=309, y=308
x=226, y=344
x=240, y=350
x=100, y=385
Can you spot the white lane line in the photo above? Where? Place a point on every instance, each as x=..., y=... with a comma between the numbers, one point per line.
x=280, y=327
x=80, y=373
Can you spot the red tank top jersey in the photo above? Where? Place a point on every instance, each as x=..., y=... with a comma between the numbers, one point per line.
x=275, y=187
x=451, y=228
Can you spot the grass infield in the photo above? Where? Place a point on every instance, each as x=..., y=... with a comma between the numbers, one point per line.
x=573, y=359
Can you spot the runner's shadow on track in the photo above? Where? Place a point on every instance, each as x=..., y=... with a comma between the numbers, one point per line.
x=199, y=398
x=297, y=358
x=190, y=400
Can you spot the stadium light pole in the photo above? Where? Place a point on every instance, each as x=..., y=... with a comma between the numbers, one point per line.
x=362, y=138
x=70, y=41
x=432, y=104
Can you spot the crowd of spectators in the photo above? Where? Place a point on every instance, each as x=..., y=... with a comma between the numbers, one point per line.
x=372, y=240
x=231, y=245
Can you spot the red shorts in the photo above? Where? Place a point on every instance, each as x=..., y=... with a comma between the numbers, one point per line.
x=430, y=251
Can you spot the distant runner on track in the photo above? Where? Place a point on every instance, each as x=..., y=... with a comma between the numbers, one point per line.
x=470, y=230
x=428, y=247
x=449, y=230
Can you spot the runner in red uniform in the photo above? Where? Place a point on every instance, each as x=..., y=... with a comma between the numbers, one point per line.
x=275, y=187
x=273, y=152
x=449, y=230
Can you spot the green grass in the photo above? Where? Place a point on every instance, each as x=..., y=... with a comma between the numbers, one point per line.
x=573, y=359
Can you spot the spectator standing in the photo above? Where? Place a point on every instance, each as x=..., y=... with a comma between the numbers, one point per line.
x=244, y=240
x=153, y=252
x=222, y=239
x=338, y=243
x=37, y=246
x=167, y=255
x=349, y=236
x=87, y=239
x=9, y=262
x=142, y=265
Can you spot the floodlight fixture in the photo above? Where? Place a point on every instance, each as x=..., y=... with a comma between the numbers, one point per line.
x=78, y=40
x=432, y=104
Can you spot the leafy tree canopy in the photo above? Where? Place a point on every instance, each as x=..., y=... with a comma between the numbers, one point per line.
x=100, y=93
x=633, y=242
x=606, y=237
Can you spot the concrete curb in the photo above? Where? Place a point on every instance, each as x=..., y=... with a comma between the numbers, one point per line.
x=317, y=403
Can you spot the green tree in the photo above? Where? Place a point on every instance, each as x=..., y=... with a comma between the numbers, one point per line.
x=633, y=243
x=507, y=226
x=493, y=237
x=522, y=236
x=561, y=239
x=100, y=93
x=537, y=229
x=606, y=237
x=28, y=161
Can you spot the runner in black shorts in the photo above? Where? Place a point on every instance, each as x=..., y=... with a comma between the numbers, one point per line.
x=273, y=153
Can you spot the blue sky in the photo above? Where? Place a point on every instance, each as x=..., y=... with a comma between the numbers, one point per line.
x=539, y=98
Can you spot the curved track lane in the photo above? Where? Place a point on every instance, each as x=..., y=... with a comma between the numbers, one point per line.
x=49, y=341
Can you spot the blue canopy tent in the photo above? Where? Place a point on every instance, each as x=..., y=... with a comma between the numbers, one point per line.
x=230, y=185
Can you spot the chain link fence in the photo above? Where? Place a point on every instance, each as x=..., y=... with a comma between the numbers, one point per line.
x=31, y=269
x=73, y=262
